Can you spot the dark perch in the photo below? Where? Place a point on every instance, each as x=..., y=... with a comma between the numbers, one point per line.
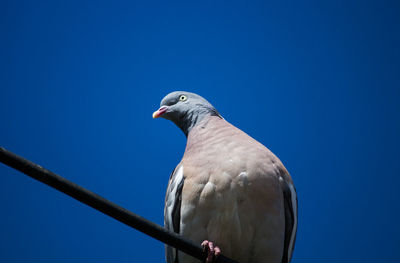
x=103, y=205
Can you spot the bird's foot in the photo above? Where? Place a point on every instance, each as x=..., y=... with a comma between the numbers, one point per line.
x=213, y=251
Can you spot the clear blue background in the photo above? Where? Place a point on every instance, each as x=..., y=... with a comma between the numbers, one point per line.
x=317, y=83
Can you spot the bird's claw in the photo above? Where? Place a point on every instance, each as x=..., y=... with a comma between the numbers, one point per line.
x=212, y=251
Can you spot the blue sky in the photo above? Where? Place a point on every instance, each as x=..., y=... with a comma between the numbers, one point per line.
x=316, y=82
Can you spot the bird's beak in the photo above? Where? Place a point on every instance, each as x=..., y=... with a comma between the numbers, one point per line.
x=160, y=112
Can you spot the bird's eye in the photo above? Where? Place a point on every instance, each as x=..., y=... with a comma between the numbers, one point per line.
x=182, y=98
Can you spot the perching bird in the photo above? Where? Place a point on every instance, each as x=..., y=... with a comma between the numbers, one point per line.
x=229, y=192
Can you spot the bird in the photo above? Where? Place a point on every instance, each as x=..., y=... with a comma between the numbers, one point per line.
x=229, y=192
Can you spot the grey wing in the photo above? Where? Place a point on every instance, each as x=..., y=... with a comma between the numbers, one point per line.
x=172, y=209
x=290, y=203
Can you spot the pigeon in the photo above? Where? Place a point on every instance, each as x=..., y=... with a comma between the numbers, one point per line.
x=229, y=193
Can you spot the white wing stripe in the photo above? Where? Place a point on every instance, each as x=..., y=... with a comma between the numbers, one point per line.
x=176, y=179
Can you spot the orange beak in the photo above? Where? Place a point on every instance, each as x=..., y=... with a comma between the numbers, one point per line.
x=160, y=112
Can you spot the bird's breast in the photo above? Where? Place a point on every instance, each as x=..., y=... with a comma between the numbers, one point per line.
x=229, y=209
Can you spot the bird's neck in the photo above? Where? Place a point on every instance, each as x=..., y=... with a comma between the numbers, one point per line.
x=200, y=136
x=193, y=118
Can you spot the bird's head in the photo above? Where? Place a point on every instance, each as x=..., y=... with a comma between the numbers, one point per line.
x=185, y=109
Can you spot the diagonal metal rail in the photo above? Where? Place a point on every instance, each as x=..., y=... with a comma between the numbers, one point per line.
x=105, y=206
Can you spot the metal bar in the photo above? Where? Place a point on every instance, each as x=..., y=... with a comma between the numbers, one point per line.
x=103, y=205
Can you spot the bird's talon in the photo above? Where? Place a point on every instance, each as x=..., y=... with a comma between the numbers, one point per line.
x=204, y=245
x=217, y=251
x=212, y=251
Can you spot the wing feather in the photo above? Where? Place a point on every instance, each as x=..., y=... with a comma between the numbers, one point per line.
x=290, y=204
x=172, y=209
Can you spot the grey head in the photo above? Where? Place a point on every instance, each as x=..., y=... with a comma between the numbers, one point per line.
x=185, y=109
